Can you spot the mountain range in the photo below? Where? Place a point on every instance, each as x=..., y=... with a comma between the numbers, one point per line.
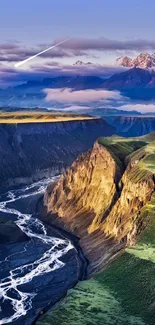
x=135, y=83
x=143, y=60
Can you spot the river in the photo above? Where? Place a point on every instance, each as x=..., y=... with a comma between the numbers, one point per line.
x=36, y=271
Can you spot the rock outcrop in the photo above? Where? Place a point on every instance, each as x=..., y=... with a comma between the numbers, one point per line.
x=100, y=197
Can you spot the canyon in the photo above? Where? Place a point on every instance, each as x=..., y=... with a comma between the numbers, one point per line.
x=32, y=151
x=102, y=197
x=38, y=263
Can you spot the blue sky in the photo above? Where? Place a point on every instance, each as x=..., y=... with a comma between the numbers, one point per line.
x=35, y=22
x=100, y=32
x=44, y=20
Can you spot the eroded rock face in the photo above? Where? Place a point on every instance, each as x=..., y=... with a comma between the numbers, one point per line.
x=122, y=221
x=99, y=198
x=132, y=126
x=32, y=151
x=83, y=190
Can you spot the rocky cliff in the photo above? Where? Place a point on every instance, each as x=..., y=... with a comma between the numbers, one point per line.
x=31, y=151
x=132, y=126
x=100, y=198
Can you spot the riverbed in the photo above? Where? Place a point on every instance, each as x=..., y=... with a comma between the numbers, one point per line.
x=38, y=263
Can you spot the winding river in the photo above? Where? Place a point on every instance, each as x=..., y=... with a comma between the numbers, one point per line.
x=37, y=270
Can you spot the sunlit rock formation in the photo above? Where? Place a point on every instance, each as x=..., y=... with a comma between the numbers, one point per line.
x=102, y=196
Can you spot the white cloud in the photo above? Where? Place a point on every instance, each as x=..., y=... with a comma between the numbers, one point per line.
x=67, y=95
x=71, y=108
x=76, y=108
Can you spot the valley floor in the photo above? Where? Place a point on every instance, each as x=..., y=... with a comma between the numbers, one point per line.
x=38, y=263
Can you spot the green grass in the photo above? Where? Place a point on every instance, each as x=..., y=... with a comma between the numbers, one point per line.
x=90, y=304
x=139, y=151
x=129, y=148
x=149, y=137
x=120, y=148
x=145, y=247
x=149, y=162
x=146, y=163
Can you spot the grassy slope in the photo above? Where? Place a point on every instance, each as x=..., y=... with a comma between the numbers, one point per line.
x=124, y=294
x=120, y=148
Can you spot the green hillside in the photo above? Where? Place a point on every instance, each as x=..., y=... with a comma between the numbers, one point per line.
x=124, y=294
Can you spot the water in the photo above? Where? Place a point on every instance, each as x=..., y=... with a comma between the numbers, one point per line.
x=31, y=271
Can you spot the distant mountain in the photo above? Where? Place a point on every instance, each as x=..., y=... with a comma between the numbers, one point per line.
x=132, y=78
x=144, y=61
x=74, y=82
x=132, y=126
x=106, y=112
x=134, y=83
x=30, y=94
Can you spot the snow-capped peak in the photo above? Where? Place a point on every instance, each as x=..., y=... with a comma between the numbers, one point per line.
x=124, y=61
x=143, y=61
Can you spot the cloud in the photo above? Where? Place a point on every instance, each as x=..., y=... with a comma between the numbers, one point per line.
x=98, y=107
x=104, y=44
x=8, y=46
x=142, y=108
x=52, y=69
x=88, y=100
x=67, y=95
x=104, y=71
x=14, y=52
x=73, y=108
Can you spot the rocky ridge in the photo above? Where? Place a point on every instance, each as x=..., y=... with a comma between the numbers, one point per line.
x=143, y=61
x=101, y=198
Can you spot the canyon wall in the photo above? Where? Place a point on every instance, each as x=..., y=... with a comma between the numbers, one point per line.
x=101, y=196
x=132, y=126
x=29, y=152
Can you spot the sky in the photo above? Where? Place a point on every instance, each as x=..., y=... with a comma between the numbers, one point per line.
x=44, y=20
x=39, y=20
x=35, y=22
x=99, y=30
